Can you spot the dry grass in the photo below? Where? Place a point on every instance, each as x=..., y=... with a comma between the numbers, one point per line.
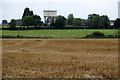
x=82, y=58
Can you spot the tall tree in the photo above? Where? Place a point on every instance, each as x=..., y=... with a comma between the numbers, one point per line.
x=70, y=19
x=37, y=20
x=27, y=12
x=96, y=21
x=104, y=22
x=93, y=20
x=60, y=22
x=28, y=21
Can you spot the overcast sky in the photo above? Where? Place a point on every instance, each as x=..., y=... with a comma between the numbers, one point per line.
x=13, y=9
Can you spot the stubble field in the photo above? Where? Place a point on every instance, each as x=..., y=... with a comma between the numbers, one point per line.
x=59, y=58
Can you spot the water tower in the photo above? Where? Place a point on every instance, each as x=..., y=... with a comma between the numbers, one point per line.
x=49, y=15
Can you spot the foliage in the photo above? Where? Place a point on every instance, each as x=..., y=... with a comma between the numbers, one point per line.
x=36, y=20
x=70, y=19
x=104, y=22
x=117, y=23
x=93, y=20
x=97, y=33
x=96, y=21
x=59, y=22
x=27, y=12
x=84, y=22
x=52, y=23
x=18, y=22
x=12, y=23
x=4, y=22
x=77, y=22
x=28, y=20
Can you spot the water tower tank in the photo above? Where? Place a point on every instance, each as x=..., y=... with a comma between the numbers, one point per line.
x=49, y=15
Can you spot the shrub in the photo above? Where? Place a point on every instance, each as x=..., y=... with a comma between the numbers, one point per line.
x=96, y=34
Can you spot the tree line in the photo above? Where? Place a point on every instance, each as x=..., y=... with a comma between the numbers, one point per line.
x=94, y=21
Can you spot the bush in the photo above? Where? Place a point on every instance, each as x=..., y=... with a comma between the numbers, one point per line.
x=117, y=34
x=96, y=34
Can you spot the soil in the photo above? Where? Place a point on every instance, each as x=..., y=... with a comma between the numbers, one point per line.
x=59, y=58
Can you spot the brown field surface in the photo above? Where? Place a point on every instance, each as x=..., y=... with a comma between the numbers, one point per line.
x=59, y=58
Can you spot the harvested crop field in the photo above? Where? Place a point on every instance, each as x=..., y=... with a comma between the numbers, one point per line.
x=60, y=58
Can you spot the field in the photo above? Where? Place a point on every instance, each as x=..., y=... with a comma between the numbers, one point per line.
x=57, y=34
x=60, y=58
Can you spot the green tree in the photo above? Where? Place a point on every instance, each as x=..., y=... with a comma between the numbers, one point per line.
x=104, y=22
x=28, y=21
x=70, y=19
x=84, y=22
x=117, y=23
x=27, y=12
x=18, y=22
x=12, y=23
x=77, y=22
x=60, y=22
x=94, y=20
x=52, y=23
x=4, y=22
x=37, y=20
